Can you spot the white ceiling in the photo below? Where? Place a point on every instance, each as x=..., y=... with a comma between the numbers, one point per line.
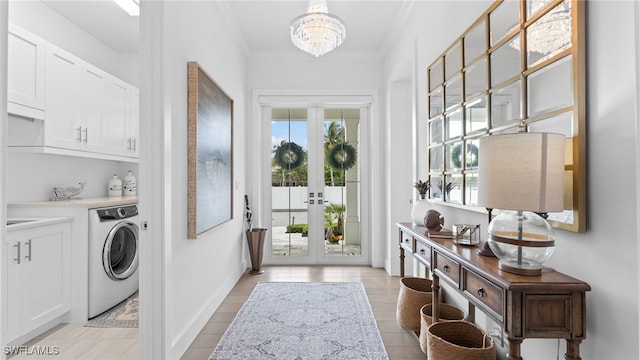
x=263, y=24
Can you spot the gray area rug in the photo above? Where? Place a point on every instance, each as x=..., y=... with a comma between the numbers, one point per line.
x=124, y=315
x=284, y=320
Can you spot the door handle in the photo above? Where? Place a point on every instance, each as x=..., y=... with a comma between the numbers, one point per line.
x=28, y=256
x=17, y=246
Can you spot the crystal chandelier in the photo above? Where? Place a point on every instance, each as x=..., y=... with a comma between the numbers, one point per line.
x=317, y=32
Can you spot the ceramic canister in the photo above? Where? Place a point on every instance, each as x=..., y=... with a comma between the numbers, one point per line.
x=115, y=186
x=129, y=186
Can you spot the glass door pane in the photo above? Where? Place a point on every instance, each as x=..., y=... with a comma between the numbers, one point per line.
x=342, y=182
x=289, y=181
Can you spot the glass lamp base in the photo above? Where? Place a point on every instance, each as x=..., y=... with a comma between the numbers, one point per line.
x=527, y=268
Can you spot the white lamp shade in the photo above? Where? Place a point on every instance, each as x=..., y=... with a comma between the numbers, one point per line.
x=522, y=171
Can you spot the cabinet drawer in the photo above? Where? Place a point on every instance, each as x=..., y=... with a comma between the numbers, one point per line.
x=484, y=291
x=423, y=253
x=407, y=242
x=447, y=266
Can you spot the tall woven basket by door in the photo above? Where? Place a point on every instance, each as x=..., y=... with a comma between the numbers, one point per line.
x=458, y=340
x=414, y=293
x=447, y=313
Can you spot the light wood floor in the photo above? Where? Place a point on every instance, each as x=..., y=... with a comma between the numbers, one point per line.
x=382, y=291
x=74, y=341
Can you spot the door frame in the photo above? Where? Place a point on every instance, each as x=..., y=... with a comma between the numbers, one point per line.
x=263, y=101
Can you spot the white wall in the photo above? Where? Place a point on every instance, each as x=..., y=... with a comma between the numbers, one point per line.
x=198, y=273
x=606, y=256
x=31, y=177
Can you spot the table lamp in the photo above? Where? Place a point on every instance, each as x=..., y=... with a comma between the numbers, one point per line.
x=523, y=173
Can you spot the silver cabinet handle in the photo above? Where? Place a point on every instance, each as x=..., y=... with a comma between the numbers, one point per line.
x=79, y=138
x=28, y=257
x=86, y=135
x=134, y=144
x=17, y=258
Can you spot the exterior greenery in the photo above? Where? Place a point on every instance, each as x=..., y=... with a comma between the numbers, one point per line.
x=334, y=134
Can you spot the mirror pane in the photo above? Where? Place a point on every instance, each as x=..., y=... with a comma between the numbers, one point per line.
x=453, y=61
x=452, y=188
x=475, y=79
x=471, y=158
x=471, y=189
x=551, y=87
x=435, y=192
x=566, y=216
x=506, y=105
x=561, y=124
x=476, y=115
x=505, y=62
x=435, y=131
x=455, y=158
x=435, y=103
x=436, y=75
x=503, y=20
x=453, y=92
x=475, y=42
x=436, y=158
x=534, y=6
x=453, y=124
x=550, y=34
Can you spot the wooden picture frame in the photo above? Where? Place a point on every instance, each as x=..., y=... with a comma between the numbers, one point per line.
x=209, y=153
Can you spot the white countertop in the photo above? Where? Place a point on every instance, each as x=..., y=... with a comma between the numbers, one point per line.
x=88, y=203
x=26, y=223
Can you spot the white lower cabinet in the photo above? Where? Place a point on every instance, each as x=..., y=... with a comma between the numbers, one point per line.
x=39, y=277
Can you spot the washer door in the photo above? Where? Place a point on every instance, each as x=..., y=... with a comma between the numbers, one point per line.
x=120, y=253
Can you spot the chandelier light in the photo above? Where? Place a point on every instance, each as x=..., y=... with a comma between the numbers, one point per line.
x=317, y=32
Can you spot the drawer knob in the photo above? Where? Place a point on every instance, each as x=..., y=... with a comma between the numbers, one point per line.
x=481, y=292
x=446, y=268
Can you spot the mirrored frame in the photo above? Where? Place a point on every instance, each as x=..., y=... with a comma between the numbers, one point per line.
x=519, y=91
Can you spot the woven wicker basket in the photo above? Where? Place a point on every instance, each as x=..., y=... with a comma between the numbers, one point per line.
x=458, y=340
x=414, y=293
x=447, y=313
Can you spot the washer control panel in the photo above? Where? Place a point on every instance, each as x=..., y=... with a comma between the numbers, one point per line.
x=115, y=213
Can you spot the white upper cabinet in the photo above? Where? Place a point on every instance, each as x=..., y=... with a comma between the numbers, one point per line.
x=61, y=127
x=86, y=111
x=134, y=123
x=91, y=104
x=116, y=115
x=25, y=83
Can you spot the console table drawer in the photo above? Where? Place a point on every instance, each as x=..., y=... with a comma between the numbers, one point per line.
x=407, y=242
x=484, y=291
x=423, y=252
x=448, y=267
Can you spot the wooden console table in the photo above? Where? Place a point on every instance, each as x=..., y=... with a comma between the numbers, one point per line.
x=551, y=305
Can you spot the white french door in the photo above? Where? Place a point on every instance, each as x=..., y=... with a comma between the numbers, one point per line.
x=314, y=184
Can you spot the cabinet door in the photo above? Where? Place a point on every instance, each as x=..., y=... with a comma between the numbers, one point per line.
x=133, y=140
x=115, y=125
x=17, y=312
x=41, y=281
x=90, y=97
x=25, y=77
x=61, y=126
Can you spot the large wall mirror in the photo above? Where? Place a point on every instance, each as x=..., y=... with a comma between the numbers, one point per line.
x=520, y=60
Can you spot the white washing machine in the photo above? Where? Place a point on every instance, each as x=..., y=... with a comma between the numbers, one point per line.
x=113, y=256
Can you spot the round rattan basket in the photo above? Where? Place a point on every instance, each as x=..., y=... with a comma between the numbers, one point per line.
x=458, y=340
x=447, y=313
x=414, y=293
